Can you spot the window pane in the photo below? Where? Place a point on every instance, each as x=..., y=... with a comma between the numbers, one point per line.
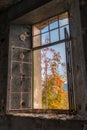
x=26, y=55
x=54, y=36
x=44, y=26
x=16, y=84
x=26, y=70
x=16, y=69
x=62, y=35
x=45, y=29
x=16, y=54
x=50, y=78
x=53, y=23
x=15, y=101
x=26, y=84
x=26, y=100
x=63, y=19
x=45, y=38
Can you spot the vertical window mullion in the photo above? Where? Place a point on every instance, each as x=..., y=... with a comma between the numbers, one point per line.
x=58, y=28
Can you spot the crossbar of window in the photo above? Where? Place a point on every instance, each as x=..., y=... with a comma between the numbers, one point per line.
x=51, y=44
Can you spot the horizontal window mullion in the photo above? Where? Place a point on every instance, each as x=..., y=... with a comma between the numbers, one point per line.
x=51, y=30
x=50, y=44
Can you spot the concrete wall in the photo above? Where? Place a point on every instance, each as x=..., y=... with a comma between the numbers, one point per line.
x=30, y=123
x=43, y=123
x=78, y=58
x=3, y=67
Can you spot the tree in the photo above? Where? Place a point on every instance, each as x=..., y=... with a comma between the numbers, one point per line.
x=53, y=94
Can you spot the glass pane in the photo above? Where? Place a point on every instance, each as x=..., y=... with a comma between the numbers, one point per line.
x=16, y=54
x=62, y=35
x=26, y=70
x=63, y=19
x=53, y=23
x=45, y=29
x=50, y=78
x=26, y=85
x=15, y=101
x=54, y=36
x=45, y=38
x=44, y=26
x=26, y=100
x=16, y=85
x=36, y=41
x=26, y=55
x=16, y=69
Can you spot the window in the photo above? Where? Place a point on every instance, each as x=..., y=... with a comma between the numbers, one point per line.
x=41, y=77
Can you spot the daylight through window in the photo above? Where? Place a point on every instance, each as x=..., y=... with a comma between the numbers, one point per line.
x=50, y=69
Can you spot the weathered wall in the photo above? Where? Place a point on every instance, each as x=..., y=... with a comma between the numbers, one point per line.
x=3, y=66
x=79, y=74
x=25, y=123
x=30, y=123
x=78, y=58
x=83, y=12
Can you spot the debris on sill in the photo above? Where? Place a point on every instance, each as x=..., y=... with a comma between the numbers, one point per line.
x=45, y=116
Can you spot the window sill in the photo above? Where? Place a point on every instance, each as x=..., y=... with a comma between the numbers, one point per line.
x=46, y=114
x=61, y=117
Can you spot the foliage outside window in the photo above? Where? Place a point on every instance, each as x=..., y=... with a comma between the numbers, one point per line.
x=50, y=68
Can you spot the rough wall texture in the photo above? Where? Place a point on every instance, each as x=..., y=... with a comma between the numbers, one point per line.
x=3, y=69
x=78, y=58
x=83, y=12
x=25, y=123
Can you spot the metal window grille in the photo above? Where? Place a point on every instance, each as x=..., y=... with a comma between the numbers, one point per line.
x=20, y=79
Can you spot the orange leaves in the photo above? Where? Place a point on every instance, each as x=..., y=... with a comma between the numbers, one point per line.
x=59, y=81
x=53, y=94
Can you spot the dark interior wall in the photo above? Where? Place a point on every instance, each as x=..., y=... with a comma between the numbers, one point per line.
x=79, y=75
x=78, y=58
x=25, y=123
x=83, y=12
x=3, y=72
x=30, y=123
x=3, y=66
x=85, y=45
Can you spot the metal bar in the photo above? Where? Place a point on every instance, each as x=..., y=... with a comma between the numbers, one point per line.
x=20, y=62
x=51, y=44
x=20, y=48
x=10, y=79
x=50, y=29
x=19, y=92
